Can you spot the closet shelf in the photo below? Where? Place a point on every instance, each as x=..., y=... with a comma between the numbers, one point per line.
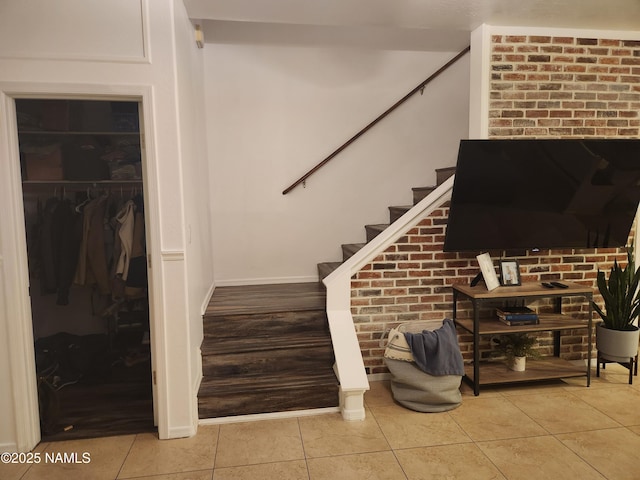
x=112, y=133
x=86, y=183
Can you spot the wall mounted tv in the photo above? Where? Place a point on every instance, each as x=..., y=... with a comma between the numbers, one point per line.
x=539, y=194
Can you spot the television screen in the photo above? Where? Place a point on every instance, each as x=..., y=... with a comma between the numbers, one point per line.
x=547, y=193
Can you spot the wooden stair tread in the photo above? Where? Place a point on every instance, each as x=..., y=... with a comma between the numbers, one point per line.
x=401, y=207
x=251, y=299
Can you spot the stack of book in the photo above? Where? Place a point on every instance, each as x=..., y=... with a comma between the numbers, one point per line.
x=517, y=316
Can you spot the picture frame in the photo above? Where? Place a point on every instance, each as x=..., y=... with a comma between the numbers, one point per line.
x=510, y=273
x=488, y=271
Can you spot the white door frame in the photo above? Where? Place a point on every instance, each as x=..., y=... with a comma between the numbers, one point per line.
x=14, y=277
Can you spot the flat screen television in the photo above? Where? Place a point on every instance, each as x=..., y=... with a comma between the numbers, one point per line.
x=542, y=194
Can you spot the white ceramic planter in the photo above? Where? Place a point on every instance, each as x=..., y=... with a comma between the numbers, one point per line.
x=617, y=345
x=519, y=364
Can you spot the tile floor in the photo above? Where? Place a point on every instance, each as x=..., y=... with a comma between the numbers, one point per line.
x=561, y=430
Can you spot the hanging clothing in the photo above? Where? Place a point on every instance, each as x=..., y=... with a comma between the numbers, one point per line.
x=67, y=234
x=58, y=242
x=92, y=261
x=126, y=220
x=47, y=252
x=136, y=281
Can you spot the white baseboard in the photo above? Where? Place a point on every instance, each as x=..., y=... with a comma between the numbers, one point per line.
x=8, y=447
x=207, y=297
x=378, y=377
x=583, y=362
x=234, y=282
x=181, y=432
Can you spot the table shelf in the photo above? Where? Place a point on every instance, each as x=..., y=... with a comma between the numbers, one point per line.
x=546, y=368
x=548, y=322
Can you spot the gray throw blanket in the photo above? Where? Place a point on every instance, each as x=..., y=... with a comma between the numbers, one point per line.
x=437, y=352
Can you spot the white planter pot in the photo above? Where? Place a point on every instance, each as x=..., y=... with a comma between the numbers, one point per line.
x=617, y=345
x=519, y=364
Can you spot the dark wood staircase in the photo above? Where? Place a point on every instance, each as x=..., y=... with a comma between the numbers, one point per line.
x=267, y=348
x=395, y=212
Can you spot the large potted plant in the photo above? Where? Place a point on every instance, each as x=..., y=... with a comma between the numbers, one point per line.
x=617, y=335
x=516, y=347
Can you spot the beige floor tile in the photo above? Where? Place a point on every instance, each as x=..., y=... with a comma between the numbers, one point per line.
x=621, y=378
x=542, y=388
x=259, y=442
x=562, y=412
x=405, y=428
x=462, y=461
x=150, y=456
x=613, y=368
x=294, y=470
x=603, y=381
x=363, y=466
x=635, y=429
x=326, y=435
x=537, y=458
x=612, y=374
x=619, y=463
x=486, y=392
x=15, y=471
x=620, y=403
x=103, y=456
x=494, y=418
x=199, y=475
x=379, y=394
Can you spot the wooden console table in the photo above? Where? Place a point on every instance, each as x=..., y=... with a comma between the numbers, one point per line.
x=495, y=373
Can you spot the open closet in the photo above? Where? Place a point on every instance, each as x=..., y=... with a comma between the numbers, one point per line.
x=84, y=213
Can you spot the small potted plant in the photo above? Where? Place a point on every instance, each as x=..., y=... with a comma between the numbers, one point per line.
x=516, y=347
x=617, y=335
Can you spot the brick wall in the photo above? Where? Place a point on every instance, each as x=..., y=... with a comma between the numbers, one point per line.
x=541, y=87
x=545, y=86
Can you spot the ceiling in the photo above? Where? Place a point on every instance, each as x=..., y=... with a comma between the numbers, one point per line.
x=433, y=25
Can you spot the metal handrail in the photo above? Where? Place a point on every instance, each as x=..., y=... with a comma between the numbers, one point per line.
x=417, y=89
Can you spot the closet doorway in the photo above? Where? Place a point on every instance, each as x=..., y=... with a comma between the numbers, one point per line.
x=84, y=210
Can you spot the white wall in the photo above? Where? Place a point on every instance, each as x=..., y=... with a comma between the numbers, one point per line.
x=90, y=61
x=275, y=111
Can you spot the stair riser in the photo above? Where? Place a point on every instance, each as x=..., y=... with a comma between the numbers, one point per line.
x=373, y=231
x=275, y=324
x=264, y=343
x=277, y=362
x=216, y=386
x=396, y=212
x=286, y=399
x=442, y=174
x=421, y=193
x=348, y=250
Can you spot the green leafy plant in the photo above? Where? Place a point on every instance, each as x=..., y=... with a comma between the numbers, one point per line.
x=620, y=295
x=515, y=345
